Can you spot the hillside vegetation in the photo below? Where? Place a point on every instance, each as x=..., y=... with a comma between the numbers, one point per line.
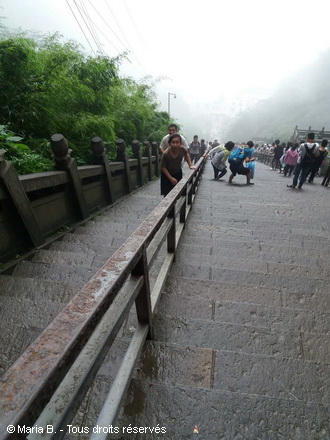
x=47, y=87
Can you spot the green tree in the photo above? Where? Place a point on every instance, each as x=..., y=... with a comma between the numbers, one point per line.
x=47, y=87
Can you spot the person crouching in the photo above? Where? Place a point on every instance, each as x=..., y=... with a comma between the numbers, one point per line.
x=236, y=162
x=219, y=159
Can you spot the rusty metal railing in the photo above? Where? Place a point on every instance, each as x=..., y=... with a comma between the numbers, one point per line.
x=47, y=384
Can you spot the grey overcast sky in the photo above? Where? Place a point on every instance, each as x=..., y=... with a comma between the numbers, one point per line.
x=206, y=49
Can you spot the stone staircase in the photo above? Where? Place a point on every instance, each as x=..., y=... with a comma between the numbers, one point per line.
x=38, y=288
x=242, y=330
x=241, y=347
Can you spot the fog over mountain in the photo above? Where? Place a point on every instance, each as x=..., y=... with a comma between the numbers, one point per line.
x=303, y=100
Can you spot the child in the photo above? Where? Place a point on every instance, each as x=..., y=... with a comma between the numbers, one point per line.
x=171, y=164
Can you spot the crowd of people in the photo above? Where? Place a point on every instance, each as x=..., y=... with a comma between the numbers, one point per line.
x=302, y=160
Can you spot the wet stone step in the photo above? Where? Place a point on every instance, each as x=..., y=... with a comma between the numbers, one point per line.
x=27, y=312
x=159, y=362
x=280, y=232
x=246, y=243
x=219, y=414
x=239, y=219
x=243, y=338
x=243, y=225
x=183, y=305
x=95, y=241
x=226, y=336
x=23, y=337
x=226, y=291
x=245, y=313
x=61, y=257
x=312, y=251
x=294, y=283
x=131, y=221
x=262, y=266
x=65, y=246
x=187, y=251
x=318, y=244
x=35, y=289
x=276, y=377
x=117, y=226
x=98, y=229
x=140, y=206
x=72, y=275
x=272, y=317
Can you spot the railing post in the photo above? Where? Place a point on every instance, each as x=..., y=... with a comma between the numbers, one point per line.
x=155, y=152
x=183, y=209
x=64, y=162
x=148, y=147
x=122, y=157
x=100, y=158
x=137, y=155
x=171, y=236
x=143, y=300
x=190, y=194
x=10, y=179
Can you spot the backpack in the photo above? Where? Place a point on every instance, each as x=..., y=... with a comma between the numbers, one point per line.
x=309, y=157
x=236, y=156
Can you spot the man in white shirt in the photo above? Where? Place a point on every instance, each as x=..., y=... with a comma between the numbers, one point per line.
x=172, y=129
x=308, y=151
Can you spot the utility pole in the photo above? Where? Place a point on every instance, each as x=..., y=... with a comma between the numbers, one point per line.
x=169, y=102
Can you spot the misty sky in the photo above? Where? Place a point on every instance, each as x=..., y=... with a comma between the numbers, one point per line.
x=207, y=50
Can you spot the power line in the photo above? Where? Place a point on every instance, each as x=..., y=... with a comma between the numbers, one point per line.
x=107, y=25
x=99, y=45
x=82, y=30
x=106, y=2
x=137, y=30
x=130, y=47
x=79, y=10
x=91, y=28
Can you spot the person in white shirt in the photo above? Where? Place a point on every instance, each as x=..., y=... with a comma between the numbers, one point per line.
x=308, y=151
x=172, y=129
x=195, y=149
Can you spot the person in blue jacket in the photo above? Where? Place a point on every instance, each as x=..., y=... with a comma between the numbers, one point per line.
x=236, y=162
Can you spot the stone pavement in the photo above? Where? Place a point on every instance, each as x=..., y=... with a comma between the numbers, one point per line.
x=242, y=330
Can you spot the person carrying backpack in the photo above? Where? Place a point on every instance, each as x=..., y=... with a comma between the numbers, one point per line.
x=236, y=162
x=308, y=152
x=318, y=161
x=219, y=159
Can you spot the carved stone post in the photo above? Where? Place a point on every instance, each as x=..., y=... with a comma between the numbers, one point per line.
x=64, y=162
x=148, y=148
x=122, y=157
x=137, y=155
x=155, y=152
x=13, y=185
x=100, y=158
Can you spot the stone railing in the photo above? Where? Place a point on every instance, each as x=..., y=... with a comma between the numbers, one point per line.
x=35, y=206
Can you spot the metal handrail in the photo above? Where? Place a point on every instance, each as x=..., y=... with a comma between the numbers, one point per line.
x=264, y=157
x=48, y=382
